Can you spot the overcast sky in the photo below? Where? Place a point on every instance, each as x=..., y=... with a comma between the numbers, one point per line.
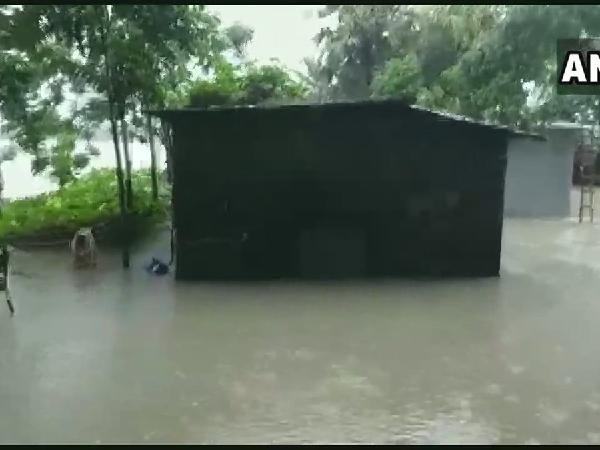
x=281, y=31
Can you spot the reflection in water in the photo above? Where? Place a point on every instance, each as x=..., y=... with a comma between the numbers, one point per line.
x=126, y=357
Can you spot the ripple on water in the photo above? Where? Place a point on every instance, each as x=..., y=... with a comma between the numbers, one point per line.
x=449, y=429
x=493, y=389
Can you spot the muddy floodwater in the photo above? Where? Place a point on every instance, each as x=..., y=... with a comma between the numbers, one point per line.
x=110, y=356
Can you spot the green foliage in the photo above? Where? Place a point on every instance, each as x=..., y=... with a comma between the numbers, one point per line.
x=31, y=129
x=239, y=36
x=488, y=81
x=131, y=56
x=19, y=77
x=62, y=159
x=88, y=201
x=401, y=77
x=269, y=83
x=32, y=118
x=9, y=152
x=208, y=93
x=360, y=44
x=316, y=80
x=245, y=85
x=475, y=60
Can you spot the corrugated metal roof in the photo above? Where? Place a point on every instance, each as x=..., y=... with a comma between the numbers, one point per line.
x=459, y=118
x=569, y=126
x=441, y=115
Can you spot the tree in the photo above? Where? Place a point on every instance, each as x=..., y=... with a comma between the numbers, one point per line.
x=359, y=45
x=239, y=36
x=17, y=77
x=123, y=52
x=507, y=73
x=268, y=84
x=33, y=75
x=316, y=80
x=247, y=84
x=537, y=63
x=400, y=77
x=489, y=62
x=63, y=160
x=203, y=47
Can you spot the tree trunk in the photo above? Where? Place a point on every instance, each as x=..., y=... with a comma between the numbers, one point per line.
x=121, y=189
x=128, y=186
x=167, y=141
x=115, y=135
x=1, y=189
x=152, y=160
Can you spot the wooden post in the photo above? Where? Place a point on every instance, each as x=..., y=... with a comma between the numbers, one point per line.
x=153, y=175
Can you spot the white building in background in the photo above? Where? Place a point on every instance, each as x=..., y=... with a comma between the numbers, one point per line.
x=539, y=173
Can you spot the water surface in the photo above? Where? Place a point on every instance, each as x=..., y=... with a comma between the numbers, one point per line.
x=112, y=356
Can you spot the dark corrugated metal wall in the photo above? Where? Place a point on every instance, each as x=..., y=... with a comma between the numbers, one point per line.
x=356, y=192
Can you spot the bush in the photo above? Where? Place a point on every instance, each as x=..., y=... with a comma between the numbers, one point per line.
x=247, y=85
x=90, y=201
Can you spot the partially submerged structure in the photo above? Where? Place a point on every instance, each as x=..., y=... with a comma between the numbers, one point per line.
x=539, y=175
x=359, y=189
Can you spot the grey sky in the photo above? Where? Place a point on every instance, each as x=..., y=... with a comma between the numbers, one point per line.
x=281, y=31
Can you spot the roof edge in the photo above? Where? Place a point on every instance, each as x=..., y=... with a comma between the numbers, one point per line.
x=170, y=112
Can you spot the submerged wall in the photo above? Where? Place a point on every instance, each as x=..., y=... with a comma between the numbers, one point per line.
x=539, y=175
x=317, y=192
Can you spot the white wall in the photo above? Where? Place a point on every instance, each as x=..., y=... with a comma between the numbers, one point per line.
x=538, y=175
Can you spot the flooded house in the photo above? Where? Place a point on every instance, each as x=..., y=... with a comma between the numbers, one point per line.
x=540, y=172
x=336, y=190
